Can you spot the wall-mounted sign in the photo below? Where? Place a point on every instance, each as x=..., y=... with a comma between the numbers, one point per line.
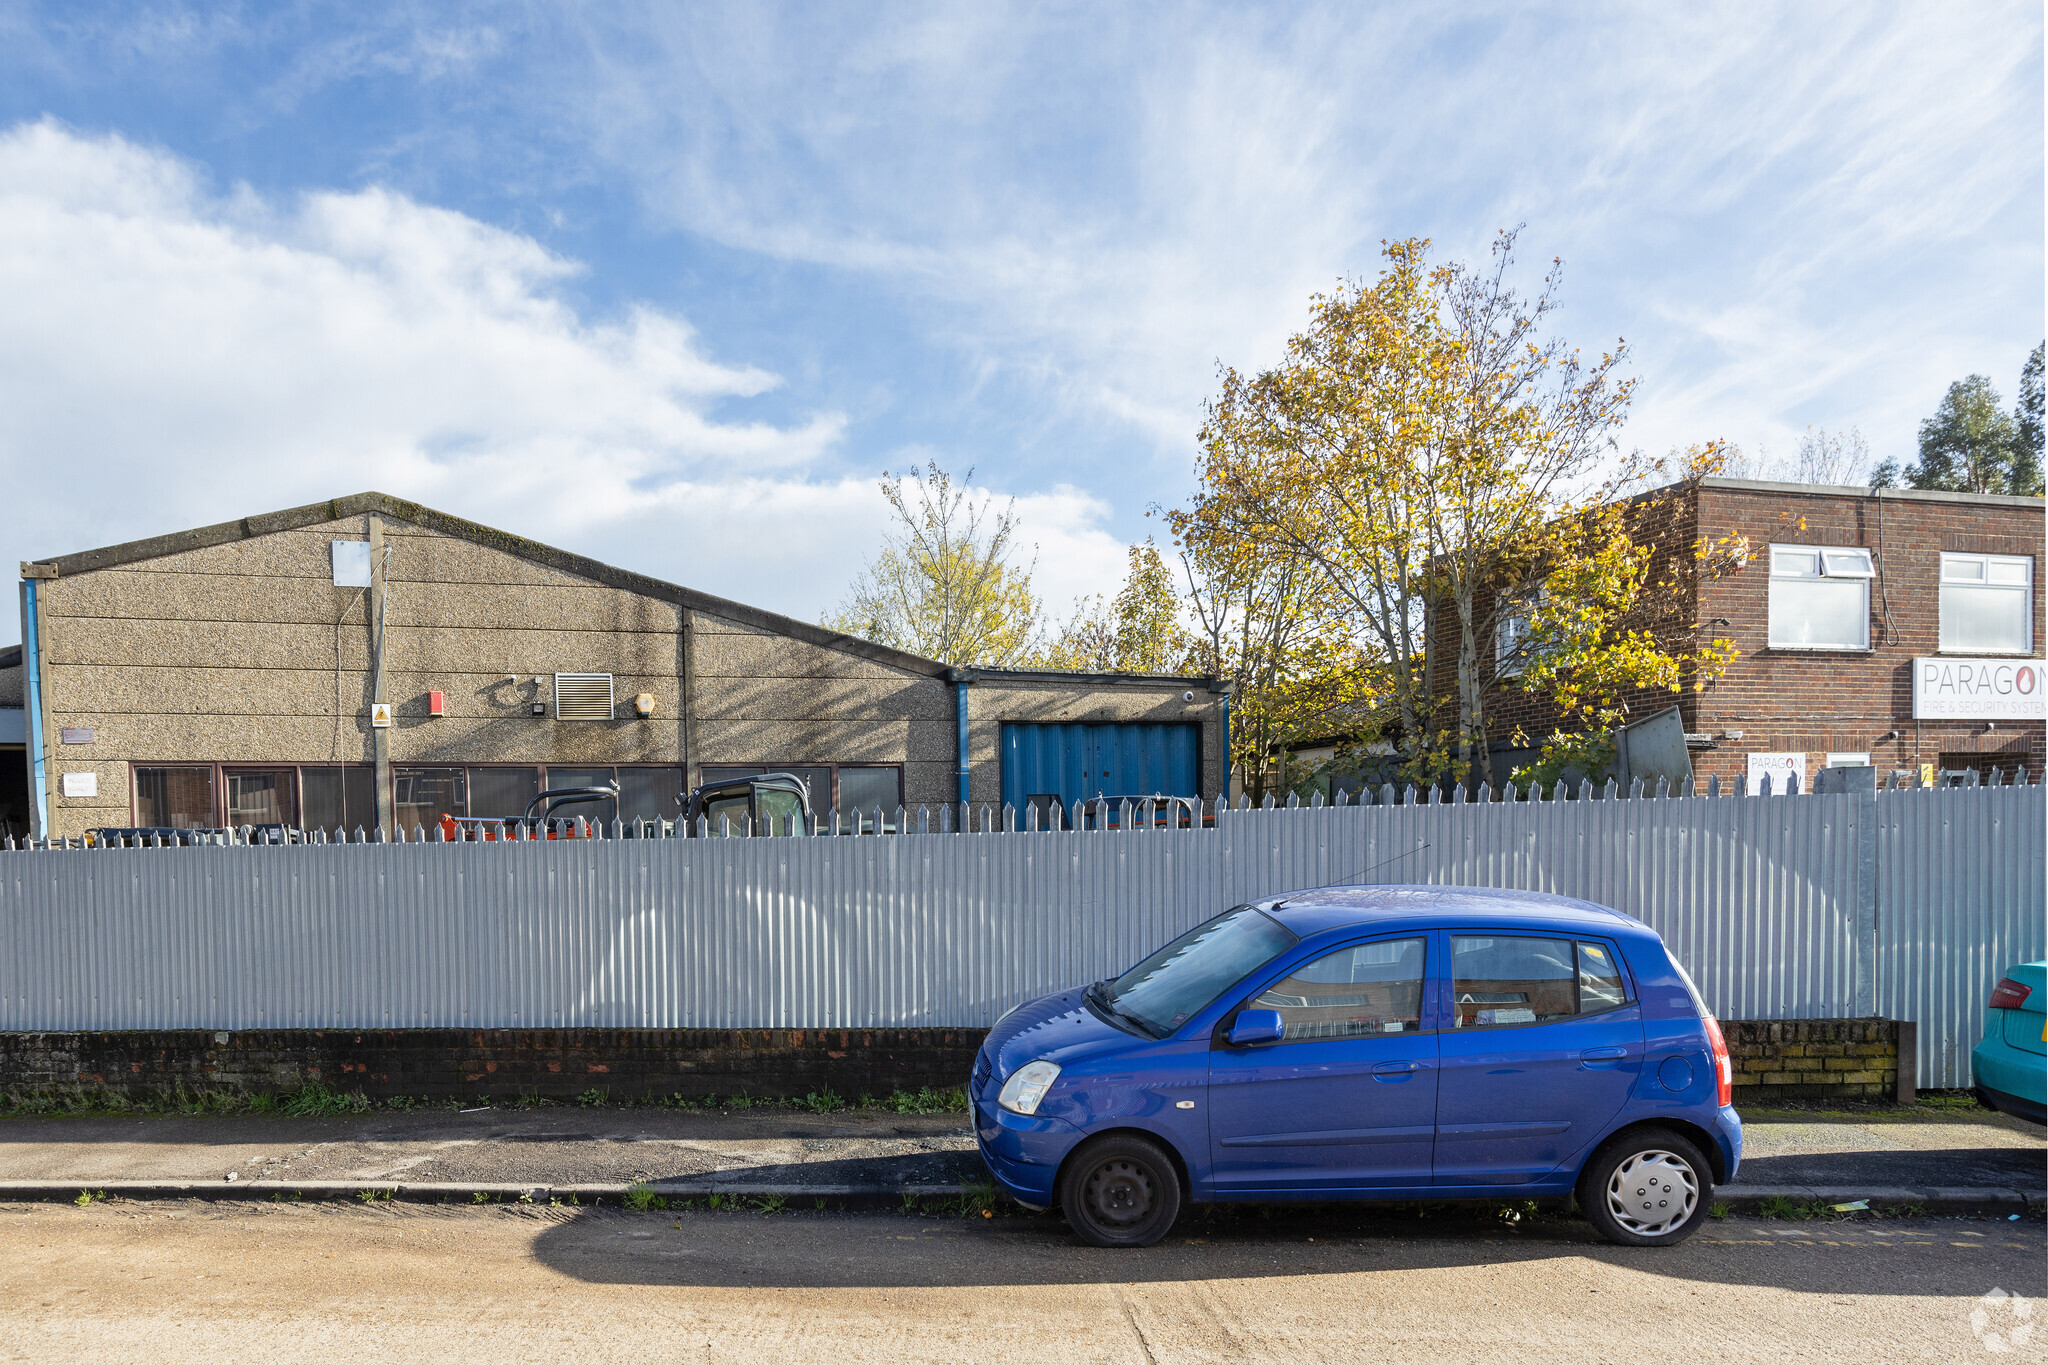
x=1979, y=689
x=1776, y=774
x=80, y=784
x=351, y=563
x=380, y=715
x=75, y=734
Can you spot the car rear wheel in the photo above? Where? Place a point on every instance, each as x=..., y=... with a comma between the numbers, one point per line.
x=1650, y=1188
x=1120, y=1191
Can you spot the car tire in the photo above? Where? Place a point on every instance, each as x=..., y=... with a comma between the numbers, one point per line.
x=1648, y=1188
x=1120, y=1191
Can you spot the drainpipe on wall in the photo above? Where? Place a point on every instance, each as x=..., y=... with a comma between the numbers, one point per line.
x=961, y=679
x=1224, y=689
x=32, y=674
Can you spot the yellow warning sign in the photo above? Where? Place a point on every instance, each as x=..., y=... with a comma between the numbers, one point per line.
x=380, y=715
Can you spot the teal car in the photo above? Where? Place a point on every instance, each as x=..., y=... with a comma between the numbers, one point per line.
x=2011, y=1064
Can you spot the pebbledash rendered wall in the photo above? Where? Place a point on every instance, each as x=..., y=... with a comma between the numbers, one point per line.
x=1899, y=904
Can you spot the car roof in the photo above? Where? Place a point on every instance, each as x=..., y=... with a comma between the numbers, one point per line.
x=1323, y=909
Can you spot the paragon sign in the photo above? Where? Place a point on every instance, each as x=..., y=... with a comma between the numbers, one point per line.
x=1979, y=689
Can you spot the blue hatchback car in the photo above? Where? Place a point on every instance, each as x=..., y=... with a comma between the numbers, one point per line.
x=1387, y=1042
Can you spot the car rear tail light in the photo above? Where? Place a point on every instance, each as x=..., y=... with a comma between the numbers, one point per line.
x=2009, y=994
x=1724, y=1070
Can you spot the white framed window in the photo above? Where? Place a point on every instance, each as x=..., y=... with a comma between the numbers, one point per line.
x=1987, y=604
x=1511, y=633
x=1820, y=597
x=1510, y=642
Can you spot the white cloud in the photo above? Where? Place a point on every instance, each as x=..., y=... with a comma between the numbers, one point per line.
x=1808, y=213
x=171, y=356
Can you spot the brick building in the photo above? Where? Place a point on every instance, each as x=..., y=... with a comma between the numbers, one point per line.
x=1892, y=627
x=226, y=676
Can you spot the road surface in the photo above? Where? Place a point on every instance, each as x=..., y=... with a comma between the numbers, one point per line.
x=189, y=1281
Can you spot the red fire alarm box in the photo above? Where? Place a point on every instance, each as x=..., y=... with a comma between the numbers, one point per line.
x=434, y=704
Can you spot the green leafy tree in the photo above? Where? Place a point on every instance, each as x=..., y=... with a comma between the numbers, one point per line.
x=943, y=585
x=1969, y=444
x=2025, y=473
x=1137, y=631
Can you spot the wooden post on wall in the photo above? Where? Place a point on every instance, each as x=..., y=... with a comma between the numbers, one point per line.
x=380, y=739
x=687, y=709
x=1906, y=1091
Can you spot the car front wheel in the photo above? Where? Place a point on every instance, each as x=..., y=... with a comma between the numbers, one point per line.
x=1120, y=1191
x=1646, y=1189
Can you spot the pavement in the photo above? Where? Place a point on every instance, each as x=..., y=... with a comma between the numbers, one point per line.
x=182, y=1280
x=1955, y=1160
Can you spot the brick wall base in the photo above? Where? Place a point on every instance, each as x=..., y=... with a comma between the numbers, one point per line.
x=1774, y=1060
x=1810, y=1059
x=441, y=1063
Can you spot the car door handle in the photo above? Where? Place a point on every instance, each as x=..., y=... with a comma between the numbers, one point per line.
x=1603, y=1054
x=1395, y=1070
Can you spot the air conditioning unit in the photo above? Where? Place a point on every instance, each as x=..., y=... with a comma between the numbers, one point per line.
x=583, y=696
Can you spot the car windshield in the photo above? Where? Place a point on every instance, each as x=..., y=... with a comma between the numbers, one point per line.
x=1171, y=986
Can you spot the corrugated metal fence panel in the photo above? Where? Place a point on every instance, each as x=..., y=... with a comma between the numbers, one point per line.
x=1962, y=895
x=1758, y=896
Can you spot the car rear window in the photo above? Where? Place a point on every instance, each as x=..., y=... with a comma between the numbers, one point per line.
x=1500, y=980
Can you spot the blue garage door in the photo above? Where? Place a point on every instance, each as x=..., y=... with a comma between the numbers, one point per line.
x=1075, y=762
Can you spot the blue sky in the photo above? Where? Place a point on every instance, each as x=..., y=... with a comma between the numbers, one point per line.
x=671, y=286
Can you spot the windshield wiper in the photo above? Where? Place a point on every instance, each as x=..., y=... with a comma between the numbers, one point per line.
x=1107, y=1005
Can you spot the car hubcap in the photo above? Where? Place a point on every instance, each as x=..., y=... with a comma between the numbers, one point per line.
x=1653, y=1192
x=1119, y=1192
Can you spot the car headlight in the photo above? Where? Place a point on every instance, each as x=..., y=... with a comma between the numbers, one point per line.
x=1027, y=1086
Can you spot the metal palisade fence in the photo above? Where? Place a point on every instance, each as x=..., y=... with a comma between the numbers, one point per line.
x=1906, y=904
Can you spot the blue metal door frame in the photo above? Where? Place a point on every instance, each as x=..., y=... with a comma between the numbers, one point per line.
x=1076, y=762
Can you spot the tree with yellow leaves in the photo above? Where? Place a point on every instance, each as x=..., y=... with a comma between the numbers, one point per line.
x=1615, y=617
x=943, y=585
x=1415, y=457
x=1137, y=631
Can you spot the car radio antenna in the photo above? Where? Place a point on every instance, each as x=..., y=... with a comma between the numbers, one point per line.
x=1374, y=868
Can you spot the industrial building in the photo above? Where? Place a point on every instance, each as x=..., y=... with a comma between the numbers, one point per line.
x=372, y=662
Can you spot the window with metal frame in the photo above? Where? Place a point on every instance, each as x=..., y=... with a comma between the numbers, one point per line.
x=1820, y=597
x=421, y=796
x=261, y=796
x=856, y=790
x=1987, y=604
x=340, y=797
x=175, y=797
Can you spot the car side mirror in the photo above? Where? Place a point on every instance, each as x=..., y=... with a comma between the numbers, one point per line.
x=1257, y=1026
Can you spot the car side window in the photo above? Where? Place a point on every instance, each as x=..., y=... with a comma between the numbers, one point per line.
x=1366, y=990
x=1502, y=980
x=1600, y=986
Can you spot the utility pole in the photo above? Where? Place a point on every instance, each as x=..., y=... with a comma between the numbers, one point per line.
x=380, y=736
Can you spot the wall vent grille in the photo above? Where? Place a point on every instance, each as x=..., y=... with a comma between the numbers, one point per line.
x=583, y=696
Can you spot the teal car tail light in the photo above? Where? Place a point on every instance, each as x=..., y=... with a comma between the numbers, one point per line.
x=2009, y=994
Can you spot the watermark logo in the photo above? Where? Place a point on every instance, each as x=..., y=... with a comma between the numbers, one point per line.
x=2003, y=1322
